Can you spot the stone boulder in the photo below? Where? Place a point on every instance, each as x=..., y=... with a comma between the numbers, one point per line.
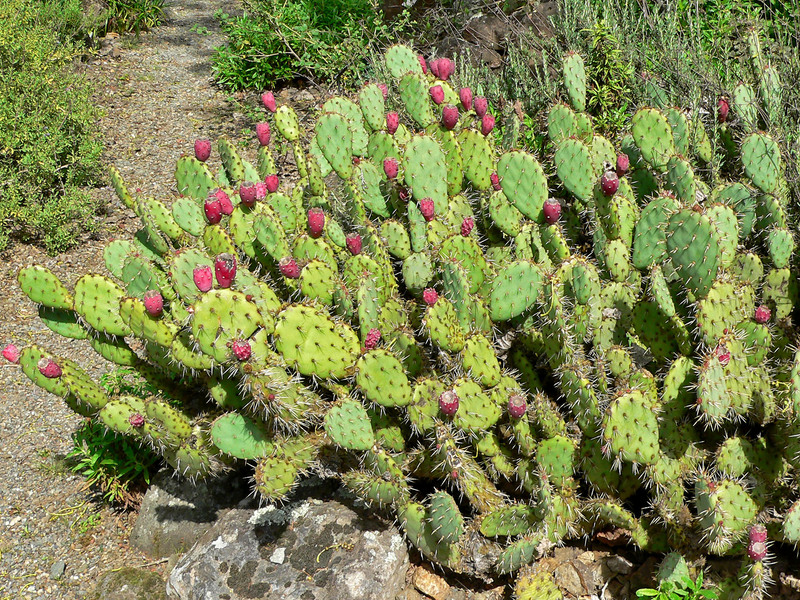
x=176, y=512
x=307, y=550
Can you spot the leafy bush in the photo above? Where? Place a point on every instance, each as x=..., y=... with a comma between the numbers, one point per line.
x=278, y=40
x=49, y=146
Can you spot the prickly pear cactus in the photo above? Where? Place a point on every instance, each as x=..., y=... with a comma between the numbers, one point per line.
x=503, y=350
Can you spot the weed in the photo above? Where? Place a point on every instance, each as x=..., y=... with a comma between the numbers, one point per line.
x=686, y=590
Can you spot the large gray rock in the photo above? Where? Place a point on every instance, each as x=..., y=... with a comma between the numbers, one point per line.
x=176, y=512
x=308, y=550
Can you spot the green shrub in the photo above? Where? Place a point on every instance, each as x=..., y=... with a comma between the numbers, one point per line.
x=279, y=40
x=49, y=144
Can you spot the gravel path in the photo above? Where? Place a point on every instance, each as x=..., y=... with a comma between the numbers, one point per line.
x=157, y=95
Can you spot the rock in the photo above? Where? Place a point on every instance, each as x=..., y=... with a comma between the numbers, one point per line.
x=304, y=97
x=429, y=583
x=331, y=552
x=176, y=512
x=409, y=594
x=619, y=564
x=57, y=570
x=129, y=584
x=487, y=31
x=568, y=579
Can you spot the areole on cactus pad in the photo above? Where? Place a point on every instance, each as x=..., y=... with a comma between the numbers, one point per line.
x=504, y=350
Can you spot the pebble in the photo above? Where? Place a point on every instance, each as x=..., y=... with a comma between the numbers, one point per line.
x=429, y=583
x=619, y=564
x=57, y=570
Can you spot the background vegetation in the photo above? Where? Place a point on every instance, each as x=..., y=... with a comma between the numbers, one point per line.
x=49, y=143
x=328, y=41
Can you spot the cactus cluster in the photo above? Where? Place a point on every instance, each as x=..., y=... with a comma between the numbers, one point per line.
x=504, y=350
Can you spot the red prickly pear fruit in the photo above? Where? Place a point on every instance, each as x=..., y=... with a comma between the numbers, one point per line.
x=465, y=95
x=623, y=164
x=372, y=339
x=467, y=225
x=49, y=368
x=272, y=183
x=153, y=303
x=261, y=190
x=202, y=150
x=758, y=533
x=391, y=167
x=757, y=551
x=247, y=193
x=434, y=67
x=552, y=211
x=392, y=122
x=353, y=242
x=11, y=353
x=437, y=94
x=495, y=179
x=481, y=106
x=241, y=350
x=609, y=183
x=316, y=222
x=723, y=354
x=487, y=124
x=225, y=269
x=448, y=403
x=723, y=108
x=263, y=132
x=427, y=209
x=429, y=296
x=517, y=406
x=224, y=201
x=213, y=210
x=449, y=117
x=446, y=69
x=289, y=268
x=384, y=90
x=763, y=314
x=136, y=420
x=422, y=64
x=203, y=278
x=268, y=100
x=403, y=194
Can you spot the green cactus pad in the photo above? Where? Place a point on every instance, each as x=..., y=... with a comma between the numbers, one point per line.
x=574, y=168
x=222, y=316
x=476, y=155
x=42, y=286
x=693, y=248
x=348, y=425
x=761, y=158
x=575, y=80
x=312, y=343
x=426, y=171
x=631, y=429
x=653, y=137
x=523, y=183
x=241, y=437
x=382, y=379
x=335, y=140
x=416, y=98
x=97, y=302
